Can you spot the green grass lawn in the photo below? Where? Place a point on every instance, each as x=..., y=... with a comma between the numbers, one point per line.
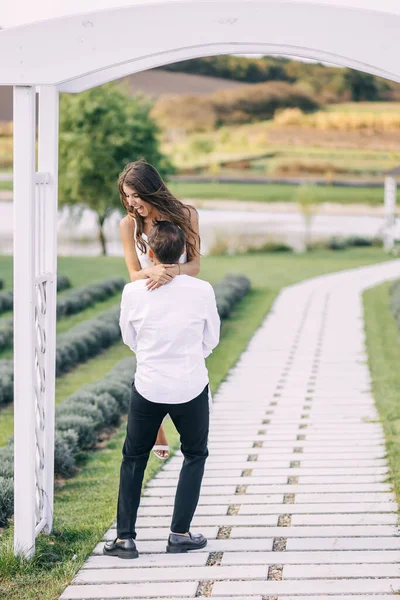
x=258, y=192
x=85, y=504
x=270, y=192
x=383, y=345
x=268, y=273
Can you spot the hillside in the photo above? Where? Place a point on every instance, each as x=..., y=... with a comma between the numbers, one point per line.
x=156, y=82
x=151, y=83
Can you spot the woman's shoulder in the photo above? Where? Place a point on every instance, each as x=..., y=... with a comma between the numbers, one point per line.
x=127, y=224
x=194, y=215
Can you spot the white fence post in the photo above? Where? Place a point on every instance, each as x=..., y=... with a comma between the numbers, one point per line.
x=24, y=311
x=48, y=163
x=390, y=213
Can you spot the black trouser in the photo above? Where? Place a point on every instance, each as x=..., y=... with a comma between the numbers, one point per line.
x=191, y=419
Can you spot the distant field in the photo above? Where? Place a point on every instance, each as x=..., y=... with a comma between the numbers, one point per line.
x=253, y=192
x=344, y=141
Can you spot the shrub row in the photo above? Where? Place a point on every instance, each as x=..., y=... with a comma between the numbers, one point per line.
x=1, y=284
x=342, y=243
x=79, y=419
x=63, y=283
x=97, y=406
x=75, y=301
x=6, y=297
x=78, y=299
x=237, y=246
x=6, y=333
x=6, y=301
x=229, y=291
x=77, y=345
x=86, y=340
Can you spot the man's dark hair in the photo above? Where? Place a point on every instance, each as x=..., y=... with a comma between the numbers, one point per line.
x=167, y=241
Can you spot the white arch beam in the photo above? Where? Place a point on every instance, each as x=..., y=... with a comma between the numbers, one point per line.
x=101, y=45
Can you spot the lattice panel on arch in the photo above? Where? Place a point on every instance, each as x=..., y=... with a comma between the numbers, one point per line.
x=40, y=390
x=41, y=324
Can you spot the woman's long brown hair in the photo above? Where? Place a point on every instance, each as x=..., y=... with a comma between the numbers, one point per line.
x=147, y=183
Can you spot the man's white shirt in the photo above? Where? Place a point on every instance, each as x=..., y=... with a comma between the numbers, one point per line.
x=171, y=330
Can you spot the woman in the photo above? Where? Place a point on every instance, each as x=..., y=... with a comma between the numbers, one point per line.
x=146, y=198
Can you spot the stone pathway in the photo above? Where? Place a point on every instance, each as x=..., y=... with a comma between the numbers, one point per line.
x=295, y=502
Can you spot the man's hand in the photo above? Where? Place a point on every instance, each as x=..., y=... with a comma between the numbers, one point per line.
x=160, y=275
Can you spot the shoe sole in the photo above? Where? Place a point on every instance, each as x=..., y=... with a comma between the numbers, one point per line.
x=122, y=553
x=183, y=549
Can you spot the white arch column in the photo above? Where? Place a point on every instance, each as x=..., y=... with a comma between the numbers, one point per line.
x=24, y=319
x=35, y=288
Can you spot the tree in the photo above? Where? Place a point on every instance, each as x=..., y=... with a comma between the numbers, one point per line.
x=101, y=130
x=307, y=200
x=362, y=85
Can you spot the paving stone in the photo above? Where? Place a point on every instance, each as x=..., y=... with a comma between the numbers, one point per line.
x=346, y=519
x=312, y=558
x=314, y=488
x=321, y=452
x=344, y=497
x=195, y=559
x=321, y=457
x=225, y=481
x=168, y=574
x=312, y=587
x=318, y=471
x=211, y=500
x=306, y=463
x=341, y=597
x=212, y=520
x=214, y=465
x=166, y=511
x=210, y=474
x=340, y=447
x=135, y=590
x=349, y=543
x=316, y=531
x=322, y=508
x=342, y=479
x=351, y=571
x=206, y=491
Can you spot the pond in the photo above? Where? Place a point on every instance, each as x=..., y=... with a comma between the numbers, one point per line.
x=238, y=230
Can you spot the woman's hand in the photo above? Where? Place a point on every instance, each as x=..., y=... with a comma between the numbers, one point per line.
x=160, y=275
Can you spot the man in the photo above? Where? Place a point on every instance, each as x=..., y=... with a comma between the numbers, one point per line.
x=171, y=330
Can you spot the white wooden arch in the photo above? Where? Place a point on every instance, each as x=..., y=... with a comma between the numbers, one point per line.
x=73, y=45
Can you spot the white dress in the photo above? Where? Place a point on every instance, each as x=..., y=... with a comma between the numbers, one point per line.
x=145, y=262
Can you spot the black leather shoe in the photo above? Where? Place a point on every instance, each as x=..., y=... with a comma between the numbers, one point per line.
x=184, y=543
x=122, y=549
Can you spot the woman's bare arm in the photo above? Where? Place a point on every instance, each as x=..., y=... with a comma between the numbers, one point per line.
x=127, y=233
x=159, y=273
